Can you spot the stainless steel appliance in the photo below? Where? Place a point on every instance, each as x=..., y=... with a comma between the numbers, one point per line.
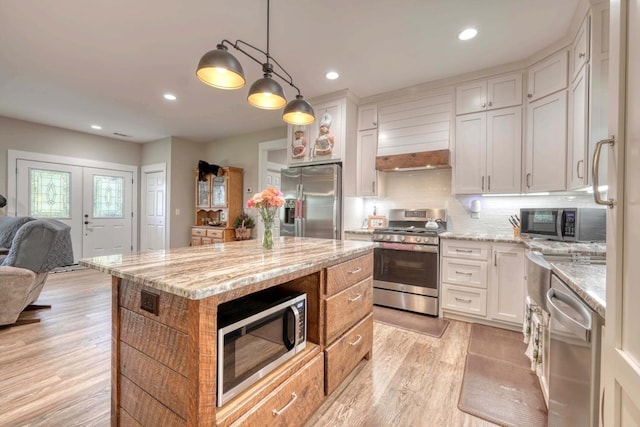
x=256, y=334
x=566, y=224
x=574, y=383
x=312, y=206
x=406, y=260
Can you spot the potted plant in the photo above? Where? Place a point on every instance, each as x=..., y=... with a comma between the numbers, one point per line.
x=243, y=224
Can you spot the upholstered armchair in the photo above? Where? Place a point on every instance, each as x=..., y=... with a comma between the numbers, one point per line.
x=39, y=246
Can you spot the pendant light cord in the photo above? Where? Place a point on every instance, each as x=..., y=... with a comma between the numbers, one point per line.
x=268, y=56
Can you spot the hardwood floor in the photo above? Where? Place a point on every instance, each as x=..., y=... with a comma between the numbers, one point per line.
x=57, y=372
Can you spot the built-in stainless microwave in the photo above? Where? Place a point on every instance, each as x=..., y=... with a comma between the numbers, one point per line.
x=256, y=334
x=565, y=224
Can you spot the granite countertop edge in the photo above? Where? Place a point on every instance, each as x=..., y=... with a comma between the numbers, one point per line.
x=187, y=271
x=586, y=280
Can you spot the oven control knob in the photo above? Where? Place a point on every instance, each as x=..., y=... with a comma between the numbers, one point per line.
x=387, y=237
x=402, y=238
x=418, y=239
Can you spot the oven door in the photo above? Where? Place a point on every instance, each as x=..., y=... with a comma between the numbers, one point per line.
x=406, y=268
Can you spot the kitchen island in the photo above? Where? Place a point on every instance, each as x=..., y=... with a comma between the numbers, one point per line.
x=164, y=328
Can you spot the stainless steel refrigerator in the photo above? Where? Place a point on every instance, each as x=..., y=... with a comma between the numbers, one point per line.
x=312, y=206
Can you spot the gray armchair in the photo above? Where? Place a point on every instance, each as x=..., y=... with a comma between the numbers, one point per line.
x=38, y=247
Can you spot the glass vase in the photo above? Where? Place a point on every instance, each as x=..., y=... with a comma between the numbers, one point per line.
x=267, y=239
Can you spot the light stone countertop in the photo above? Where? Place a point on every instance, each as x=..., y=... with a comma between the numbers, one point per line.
x=588, y=281
x=202, y=271
x=364, y=231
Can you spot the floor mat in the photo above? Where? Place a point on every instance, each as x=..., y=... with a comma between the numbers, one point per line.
x=501, y=392
x=421, y=323
x=499, y=344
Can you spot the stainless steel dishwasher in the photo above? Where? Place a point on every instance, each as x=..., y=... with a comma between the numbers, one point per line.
x=574, y=381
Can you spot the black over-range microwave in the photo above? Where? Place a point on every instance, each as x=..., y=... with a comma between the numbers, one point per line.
x=256, y=334
x=565, y=224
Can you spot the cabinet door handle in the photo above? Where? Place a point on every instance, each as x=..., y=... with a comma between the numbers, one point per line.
x=527, y=180
x=375, y=123
x=578, y=169
x=356, y=298
x=466, y=301
x=464, y=273
x=596, y=170
x=489, y=183
x=357, y=270
x=465, y=251
x=581, y=55
x=358, y=339
x=483, y=183
x=483, y=105
x=490, y=103
x=529, y=95
x=276, y=412
x=373, y=187
x=495, y=258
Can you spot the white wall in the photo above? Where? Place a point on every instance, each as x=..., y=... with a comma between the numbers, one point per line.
x=432, y=189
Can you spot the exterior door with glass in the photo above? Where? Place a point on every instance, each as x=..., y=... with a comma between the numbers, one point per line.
x=51, y=190
x=107, y=213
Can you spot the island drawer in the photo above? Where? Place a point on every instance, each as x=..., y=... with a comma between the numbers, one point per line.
x=464, y=299
x=466, y=249
x=293, y=402
x=343, y=275
x=345, y=308
x=464, y=272
x=343, y=355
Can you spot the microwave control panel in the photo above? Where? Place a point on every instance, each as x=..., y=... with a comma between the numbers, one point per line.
x=569, y=224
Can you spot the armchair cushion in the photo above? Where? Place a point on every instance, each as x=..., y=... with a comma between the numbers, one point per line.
x=9, y=226
x=15, y=281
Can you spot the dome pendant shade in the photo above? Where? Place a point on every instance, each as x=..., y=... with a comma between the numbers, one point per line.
x=220, y=69
x=298, y=112
x=267, y=94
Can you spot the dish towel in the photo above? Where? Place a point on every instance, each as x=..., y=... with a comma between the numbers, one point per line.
x=532, y=331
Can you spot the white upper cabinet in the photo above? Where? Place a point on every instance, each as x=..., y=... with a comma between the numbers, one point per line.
x=367, y=117
x=488, y=152
x=547, y=76
x=546, y=144
x=577, y=151
x=580, y=48
x=368, y=179
x=494, y=93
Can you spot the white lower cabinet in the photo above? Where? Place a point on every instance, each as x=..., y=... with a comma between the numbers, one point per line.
x=507, y=284
x=483, y=280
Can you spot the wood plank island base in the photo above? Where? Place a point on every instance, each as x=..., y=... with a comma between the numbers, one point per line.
x=164, y=329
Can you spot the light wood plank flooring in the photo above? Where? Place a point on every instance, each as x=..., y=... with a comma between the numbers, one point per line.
x=56, y=373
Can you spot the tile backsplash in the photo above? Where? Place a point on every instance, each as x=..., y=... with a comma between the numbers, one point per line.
x=432, y=189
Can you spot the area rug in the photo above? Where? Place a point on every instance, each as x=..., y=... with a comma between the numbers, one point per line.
x=498, y=385
x=421, y=323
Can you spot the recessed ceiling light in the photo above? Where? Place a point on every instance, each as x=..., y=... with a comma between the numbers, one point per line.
x=170, y=97
x=467, y=34
x=96, y=127
x=332, y=75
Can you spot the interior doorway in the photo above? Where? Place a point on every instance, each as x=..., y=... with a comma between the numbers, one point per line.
x=153, y=207
x=272, y=158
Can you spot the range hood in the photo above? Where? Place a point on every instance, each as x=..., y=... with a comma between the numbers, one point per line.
x=438, y=159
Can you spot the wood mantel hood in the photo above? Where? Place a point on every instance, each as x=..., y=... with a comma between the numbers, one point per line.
x=439, y=159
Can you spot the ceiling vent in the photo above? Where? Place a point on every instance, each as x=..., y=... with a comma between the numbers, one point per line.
x=122, y=135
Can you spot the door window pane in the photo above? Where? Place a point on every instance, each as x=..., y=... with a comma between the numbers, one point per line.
x=108, y=196
x=50, y=194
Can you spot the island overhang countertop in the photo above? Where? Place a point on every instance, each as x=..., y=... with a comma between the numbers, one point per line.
x=202, y=271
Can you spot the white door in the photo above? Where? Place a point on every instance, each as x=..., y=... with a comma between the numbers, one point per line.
x=272, y=179
x=51, y=190
x=152, y=232
x=621, y=346
x=108, y=212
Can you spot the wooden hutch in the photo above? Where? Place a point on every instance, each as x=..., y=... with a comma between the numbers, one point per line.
x=218, y=202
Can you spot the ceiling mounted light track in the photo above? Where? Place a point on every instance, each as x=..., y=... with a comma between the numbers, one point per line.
x=220, y=69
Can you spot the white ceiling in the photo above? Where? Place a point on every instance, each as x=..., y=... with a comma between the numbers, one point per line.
x=73, y=63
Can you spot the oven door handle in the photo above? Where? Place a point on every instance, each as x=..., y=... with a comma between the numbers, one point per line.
x=409, y=247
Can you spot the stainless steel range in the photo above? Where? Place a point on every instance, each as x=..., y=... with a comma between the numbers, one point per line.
x=406, y=260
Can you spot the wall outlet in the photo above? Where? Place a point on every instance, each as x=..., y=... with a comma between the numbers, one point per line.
x=150, y=302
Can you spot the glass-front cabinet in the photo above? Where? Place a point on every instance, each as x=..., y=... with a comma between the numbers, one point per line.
x=218, y=200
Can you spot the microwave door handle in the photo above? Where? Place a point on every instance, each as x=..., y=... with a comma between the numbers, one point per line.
x=288, y=342
x=559, y=223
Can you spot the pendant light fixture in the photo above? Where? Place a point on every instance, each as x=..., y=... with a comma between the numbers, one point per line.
x=220, y=69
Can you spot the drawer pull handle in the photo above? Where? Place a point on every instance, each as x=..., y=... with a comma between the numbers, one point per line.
x=462, y=272
x=466, y=301
x=358, y=339
x=466, y=251
x=356, y=298
x=276, y=412
x=357, y=270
